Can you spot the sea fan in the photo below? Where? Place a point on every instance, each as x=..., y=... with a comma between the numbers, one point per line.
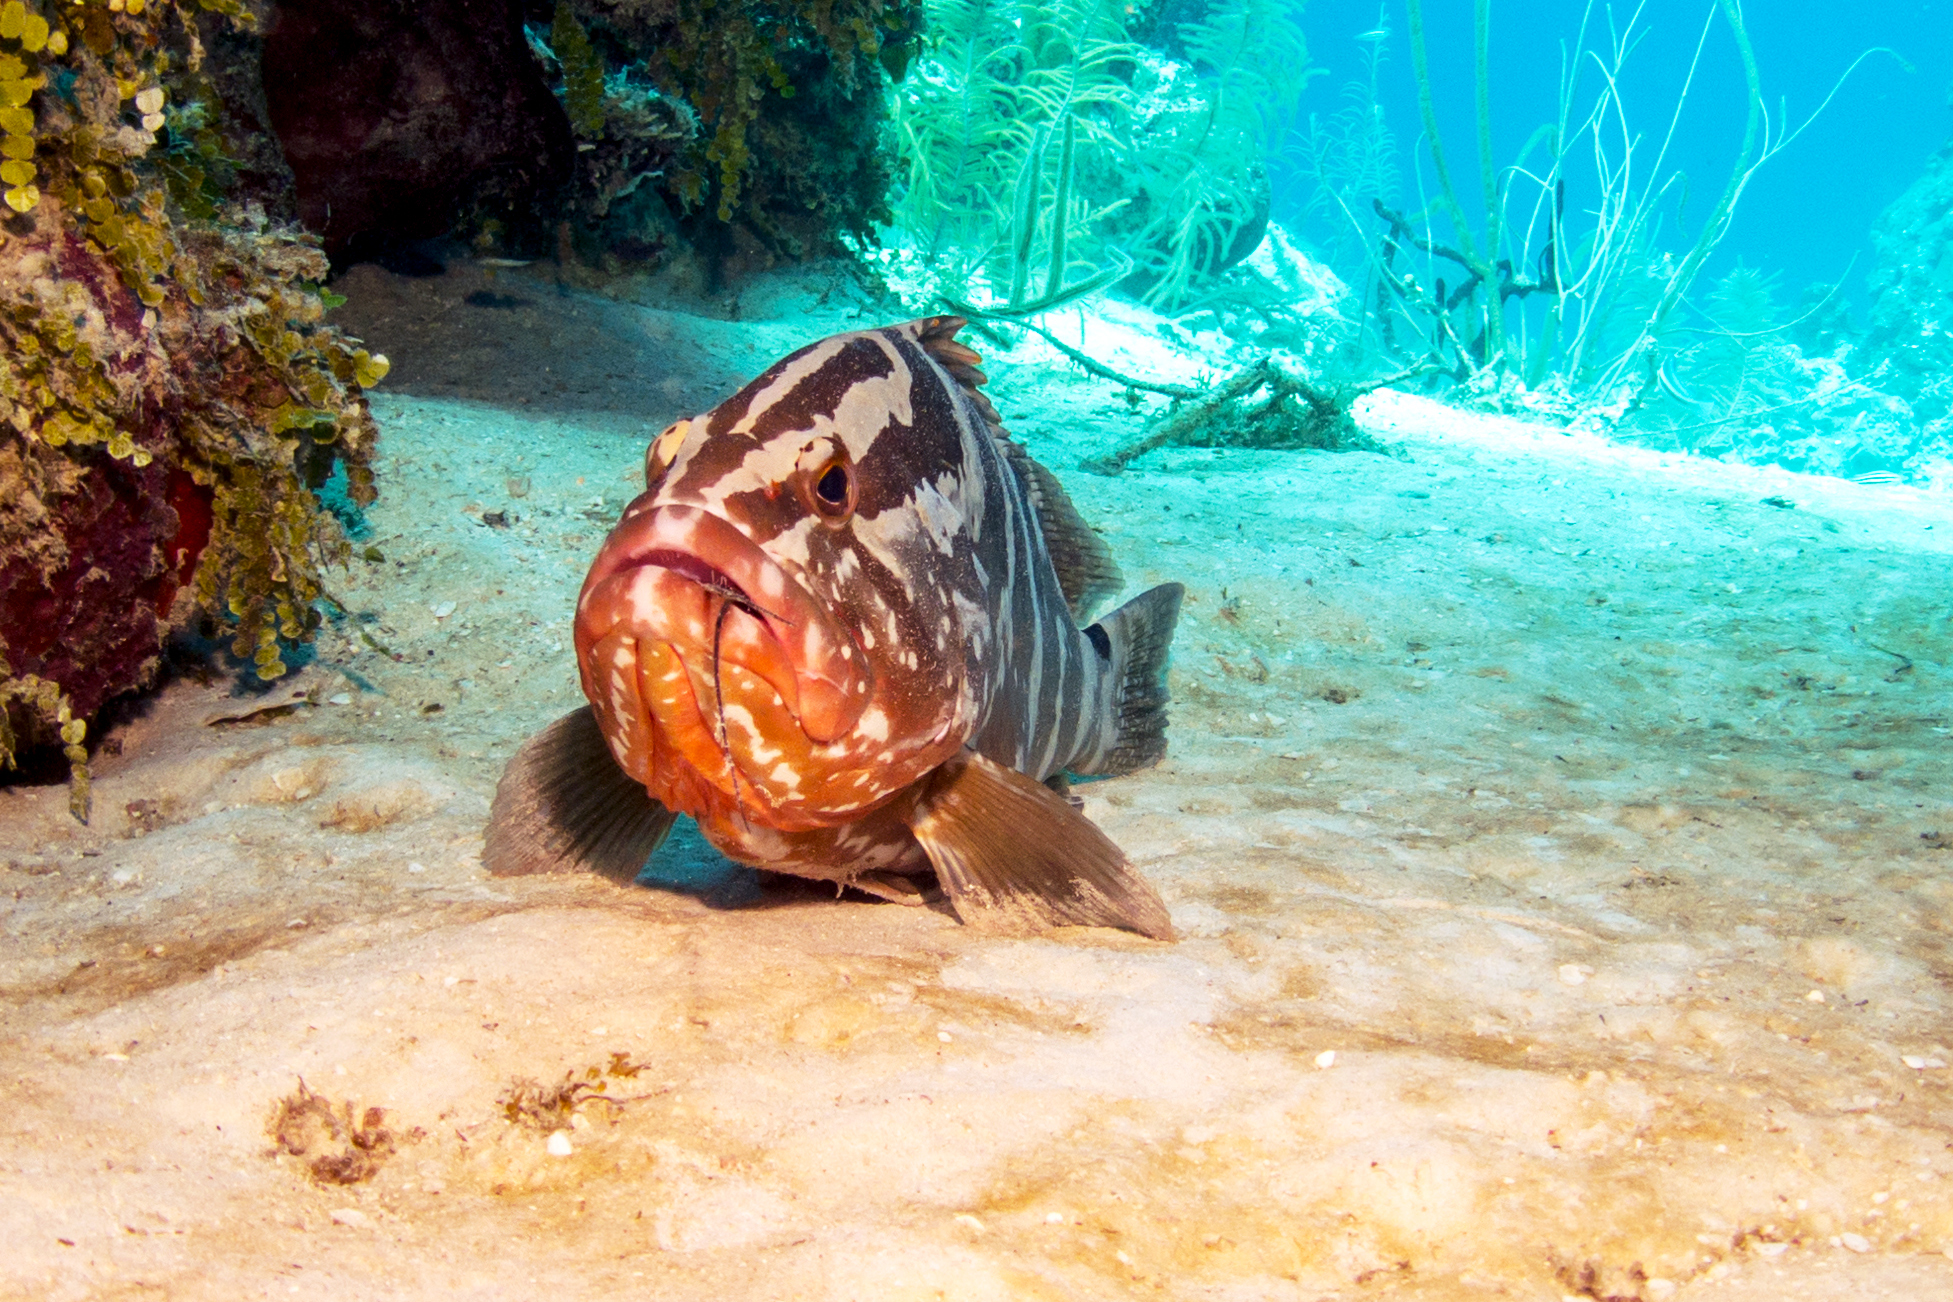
x=1201, y=160
x=1349, y=160
x=993, y=131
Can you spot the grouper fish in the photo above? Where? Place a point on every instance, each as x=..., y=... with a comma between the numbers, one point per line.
x=845, y=629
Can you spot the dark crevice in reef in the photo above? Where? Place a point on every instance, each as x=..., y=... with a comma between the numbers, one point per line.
x=391, y=113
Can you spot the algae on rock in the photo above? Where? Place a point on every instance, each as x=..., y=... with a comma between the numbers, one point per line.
x=782, y=104
x=170, y=395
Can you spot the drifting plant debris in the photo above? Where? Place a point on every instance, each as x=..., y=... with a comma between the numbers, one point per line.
x=1260, y=406
x=537, y=1106
x=336, y=1148
x=259, y=715
x=1449, y=354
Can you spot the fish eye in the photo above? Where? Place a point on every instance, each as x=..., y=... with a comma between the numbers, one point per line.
x=663, y=451
x=834, y=490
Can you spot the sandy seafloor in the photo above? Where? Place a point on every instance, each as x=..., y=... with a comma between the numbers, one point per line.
x=1559, y=835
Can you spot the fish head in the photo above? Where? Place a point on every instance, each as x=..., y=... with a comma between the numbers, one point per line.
x=788, y=625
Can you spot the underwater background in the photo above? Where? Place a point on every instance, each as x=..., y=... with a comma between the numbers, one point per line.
x=1806, y=218
x=1556, y=817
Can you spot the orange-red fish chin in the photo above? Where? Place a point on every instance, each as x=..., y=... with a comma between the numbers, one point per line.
x=731, y=752
x=682, y=575
x=723, y=685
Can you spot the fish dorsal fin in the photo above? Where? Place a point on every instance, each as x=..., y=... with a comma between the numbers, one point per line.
x=1087, y=574
x=937, y=335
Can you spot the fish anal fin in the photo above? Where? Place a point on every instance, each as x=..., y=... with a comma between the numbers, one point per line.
x=563, y=805
x=894, y=887
x=1016, y=858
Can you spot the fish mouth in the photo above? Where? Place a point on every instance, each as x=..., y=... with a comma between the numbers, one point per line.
x=713, y=580
x=683, y=576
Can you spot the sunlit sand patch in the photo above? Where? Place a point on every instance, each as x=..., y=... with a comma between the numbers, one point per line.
x=1539, y=964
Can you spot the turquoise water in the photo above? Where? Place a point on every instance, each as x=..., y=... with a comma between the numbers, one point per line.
x=1807, y=216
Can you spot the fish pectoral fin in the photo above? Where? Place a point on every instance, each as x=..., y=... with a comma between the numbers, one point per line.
x=1015, y=857
x=563, y=805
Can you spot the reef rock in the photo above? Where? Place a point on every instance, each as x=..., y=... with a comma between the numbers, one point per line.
x=85, y=572
x=393, y=113
x=130, y=437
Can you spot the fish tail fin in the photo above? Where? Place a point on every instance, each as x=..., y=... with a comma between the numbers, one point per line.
x=1137, y=639
x=564, y=805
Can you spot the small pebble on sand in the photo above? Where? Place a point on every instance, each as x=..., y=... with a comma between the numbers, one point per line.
x=1570, y=974
x=353, y=1217
x=559, y=1144
x=1326, y=1059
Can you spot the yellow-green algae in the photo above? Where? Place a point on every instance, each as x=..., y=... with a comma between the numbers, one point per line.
x=734, y=63
x=218, y=362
